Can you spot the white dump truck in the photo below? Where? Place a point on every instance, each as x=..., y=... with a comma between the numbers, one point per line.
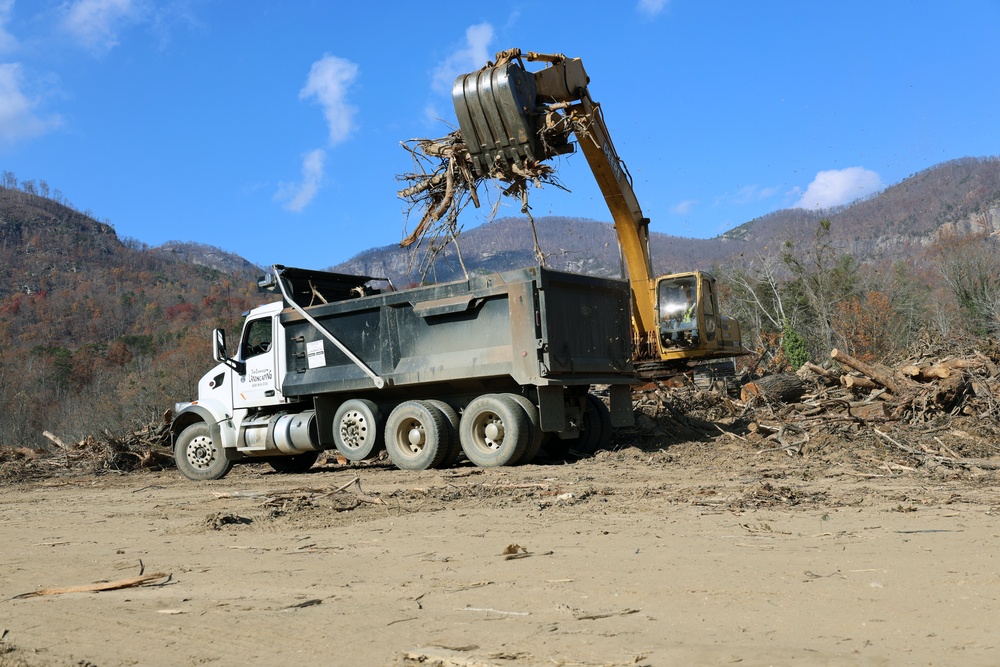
x=489, y=368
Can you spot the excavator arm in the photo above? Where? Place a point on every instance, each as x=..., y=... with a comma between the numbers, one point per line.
x=512, y=119
x=512, y=116
x=631, y=226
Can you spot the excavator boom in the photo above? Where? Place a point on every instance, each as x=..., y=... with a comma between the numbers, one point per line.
x=512, y=119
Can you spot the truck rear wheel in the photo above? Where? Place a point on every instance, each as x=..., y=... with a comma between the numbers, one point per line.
x=416, y=436
x=451, y=421
x=356, y=429
x=198, y=456
x=494, y=431
x=595, y=432
x=535, y=442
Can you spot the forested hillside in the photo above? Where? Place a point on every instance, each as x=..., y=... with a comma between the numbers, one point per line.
x=102, y=333
x=920, y=261
x=97, y=332
x=960, y=195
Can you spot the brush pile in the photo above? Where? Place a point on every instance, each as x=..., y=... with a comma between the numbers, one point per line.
x=142, y=447
x=924, y=411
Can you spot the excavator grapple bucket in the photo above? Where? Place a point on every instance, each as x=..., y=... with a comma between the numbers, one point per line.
x=496, y=113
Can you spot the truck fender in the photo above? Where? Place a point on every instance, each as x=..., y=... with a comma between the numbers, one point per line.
x=193, y=414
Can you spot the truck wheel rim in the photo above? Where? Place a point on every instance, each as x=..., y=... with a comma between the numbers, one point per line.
x=411, y=436
x=354, y=429
x=200, y=452
x=491, y=431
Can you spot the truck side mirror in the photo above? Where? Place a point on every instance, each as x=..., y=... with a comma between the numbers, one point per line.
x=219, y=352
x=219, y=345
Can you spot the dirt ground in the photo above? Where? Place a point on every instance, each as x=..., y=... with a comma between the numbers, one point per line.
x=704, y=552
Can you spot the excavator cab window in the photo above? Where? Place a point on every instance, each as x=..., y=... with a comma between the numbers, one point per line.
x=677, y=305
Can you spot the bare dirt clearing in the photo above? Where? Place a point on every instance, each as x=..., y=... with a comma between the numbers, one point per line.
x=706, y=552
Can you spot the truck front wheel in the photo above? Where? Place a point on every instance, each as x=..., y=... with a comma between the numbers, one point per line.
x=198, y=457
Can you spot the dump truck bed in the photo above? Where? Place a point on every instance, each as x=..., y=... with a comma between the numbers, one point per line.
x=535, y=326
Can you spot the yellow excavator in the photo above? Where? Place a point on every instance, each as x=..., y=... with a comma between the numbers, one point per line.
x=512, y=119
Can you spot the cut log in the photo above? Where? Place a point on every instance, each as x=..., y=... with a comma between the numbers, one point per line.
x=927, y=372
x=947, y=392
x=784, y=387
x=56, y=440
x=761, y=429
x=879, y=374
x=912, y=370
x=822, y=372
x=858, y=383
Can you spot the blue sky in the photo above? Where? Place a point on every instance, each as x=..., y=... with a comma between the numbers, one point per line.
x=275, y=132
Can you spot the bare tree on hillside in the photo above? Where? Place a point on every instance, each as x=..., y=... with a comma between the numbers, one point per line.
x=970, y=267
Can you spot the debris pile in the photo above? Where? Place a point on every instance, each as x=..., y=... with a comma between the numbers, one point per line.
x=144, y=446
x=928, y=412
x=922, y=412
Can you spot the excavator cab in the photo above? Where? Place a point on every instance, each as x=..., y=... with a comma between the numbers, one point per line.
x=689, y=322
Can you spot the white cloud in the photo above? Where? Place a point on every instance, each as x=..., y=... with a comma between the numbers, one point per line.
x=18, y=116
x=684, y=207
x=328, y=82
x=7, y=41
x=651, y=7
x=752, y=193
x=298, y=195
x=468, y=58
x=95, y=23
x=329, y=79
x=839, y=186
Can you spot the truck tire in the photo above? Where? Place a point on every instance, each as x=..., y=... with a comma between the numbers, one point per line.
x=296, y=463
x=494, y=431
x=356, y=429
x=595, y=432
x=416, y=436
x=535, y=443
x=451, y=419
x=197, y=456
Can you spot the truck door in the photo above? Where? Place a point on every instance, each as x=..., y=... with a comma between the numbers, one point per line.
x=258, y=386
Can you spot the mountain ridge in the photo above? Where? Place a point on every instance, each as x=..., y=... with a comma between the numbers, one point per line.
x=961, y=196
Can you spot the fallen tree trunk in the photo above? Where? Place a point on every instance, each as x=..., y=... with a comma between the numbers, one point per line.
x=784, y=387
x=857, y=382
x=822, y=372
x=882, y=376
